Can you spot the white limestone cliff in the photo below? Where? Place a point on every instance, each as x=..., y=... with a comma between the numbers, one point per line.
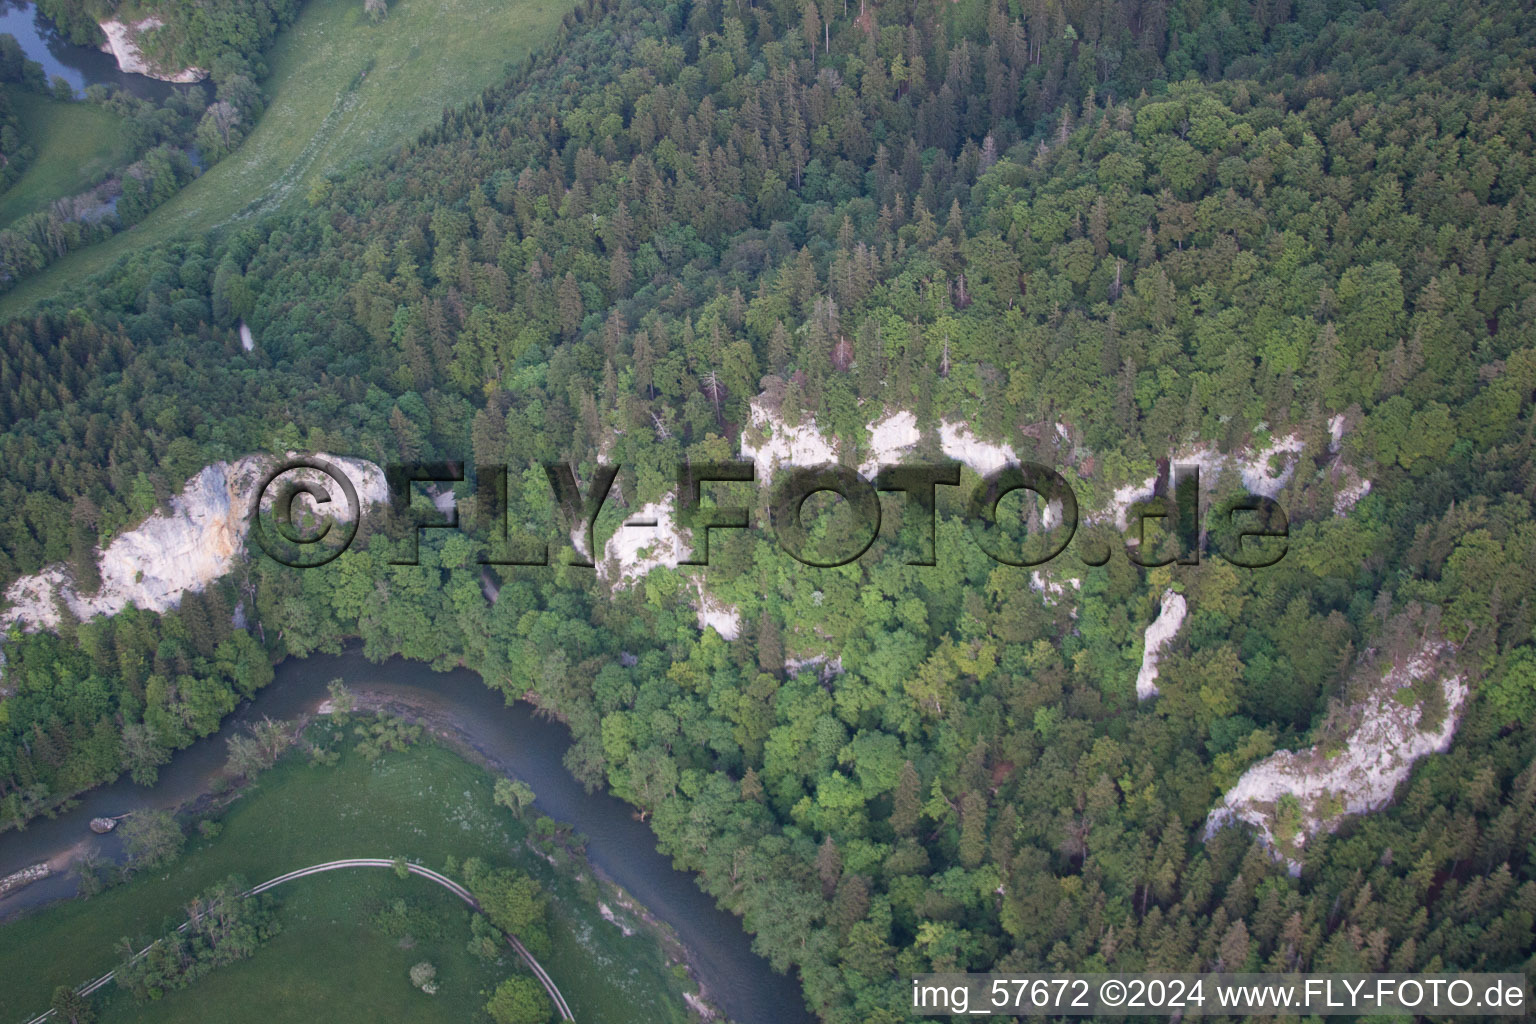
x=715, y=614
x=1170, y=618
x=828, y=667
x=651, y=539
x=985, y=458
x=122, y=44
x=890, y=439
x=1351, y=489
x=634, y=549
x=1295, y=795
x=770, y=442
x=195, y=541
x=1263, y=472
x=1051, y=590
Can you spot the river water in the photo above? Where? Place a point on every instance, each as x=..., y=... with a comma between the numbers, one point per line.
x=80, y=66
x=738, y=980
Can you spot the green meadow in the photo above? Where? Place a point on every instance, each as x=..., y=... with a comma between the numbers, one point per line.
x=341, y=89
x=329, y=962
x=74, y=144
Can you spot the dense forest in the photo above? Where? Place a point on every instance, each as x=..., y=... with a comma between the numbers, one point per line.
x=1152, y=223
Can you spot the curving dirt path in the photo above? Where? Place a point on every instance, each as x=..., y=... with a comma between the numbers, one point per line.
x=365, y=862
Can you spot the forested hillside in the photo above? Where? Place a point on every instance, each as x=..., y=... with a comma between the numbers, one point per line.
x=1153, y=224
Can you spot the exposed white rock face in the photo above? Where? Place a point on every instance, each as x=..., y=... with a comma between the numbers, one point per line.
x=247, y=342
x=724, y=618
x=961, y=445
x=889, y=440
x=830, y=667
x=1336, y=432
x=1351, y=492
x=770, y=443
x=1052, y=516
x=634, y=551
x=122, y=44
x=445, y=501
x=1257, y=474
x=1049, y=589
x=1164, y=628
x=1211, y=462
x=773, y=445
x=34, y=600
x=1378, y=753
x=1122, y=500
x=170, y=553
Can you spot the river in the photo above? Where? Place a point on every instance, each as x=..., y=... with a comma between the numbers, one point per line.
x=623, y=848
x=80, y=66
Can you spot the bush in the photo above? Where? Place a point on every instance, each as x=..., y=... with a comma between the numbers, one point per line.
x=424, y=977
x=153, y=839
x=519, y=1000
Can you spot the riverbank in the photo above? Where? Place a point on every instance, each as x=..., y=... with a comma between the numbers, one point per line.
x=340, y=91
x=426, y=803
x=635, y=917
x=75, y=145
x=624, y=849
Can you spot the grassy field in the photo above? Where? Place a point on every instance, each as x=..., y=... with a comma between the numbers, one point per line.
x=329, y=963
x=73, y=142
x=341, y=90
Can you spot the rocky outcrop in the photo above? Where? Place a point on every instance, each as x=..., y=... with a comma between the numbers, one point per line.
x=774, y=444
x=890, y=440
x=197, y=540
x=827, y=667
x=715, y=614
x=123, y=44
x=770, y=442
x=1295, y=795
x=651, y=539
x=1264, y=472
x=24, y=877
x=1164, y=628
x=647, y=540
x=961, y=445
x=1053, y=591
